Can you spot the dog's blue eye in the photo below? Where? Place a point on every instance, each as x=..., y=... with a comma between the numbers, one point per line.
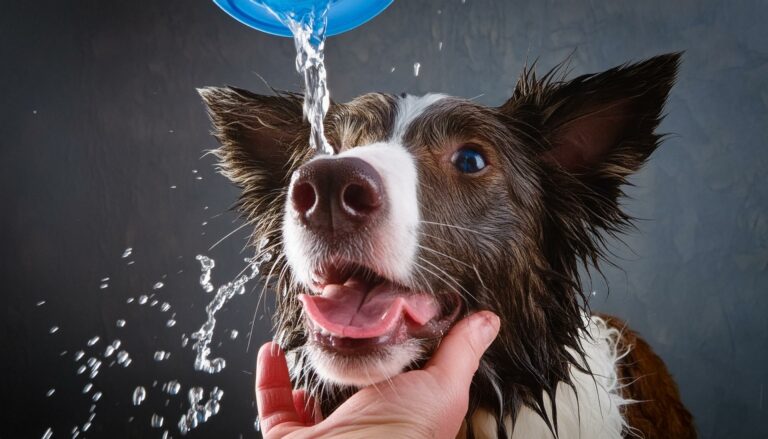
x=468, y=161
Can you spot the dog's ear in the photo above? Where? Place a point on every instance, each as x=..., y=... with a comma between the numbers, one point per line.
x=601, y=122
x=260, y=136
x=590, y=133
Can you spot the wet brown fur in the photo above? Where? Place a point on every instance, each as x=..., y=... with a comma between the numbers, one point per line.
x=510, y=240
x=658, y=412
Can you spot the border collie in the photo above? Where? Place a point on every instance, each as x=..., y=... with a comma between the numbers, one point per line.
x=434, y=207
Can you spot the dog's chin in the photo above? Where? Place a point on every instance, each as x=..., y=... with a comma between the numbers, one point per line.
x=363, y=368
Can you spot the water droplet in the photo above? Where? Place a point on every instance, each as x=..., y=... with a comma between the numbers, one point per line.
x=184, y=340
x=154, y=302
x=81, y=369
x=194, y=171
x=233, y=334
x=157, y=421
x=127, y=252
x=130, y=262
x=96, y=396
x=165, y=307
x=172, y=387
x=105, y=279
x=93, y=340
x=48, y=434
x=130, y=300
x=120, y=323
x=157, y=286
x=170, y=323
x=143, y=299
x=103, y=286
x=440, y=45
x=50, y=392
x=40, y=303
x=416, y=68
x=86, y=426
x=79, y=355
x=116, y=344
x=53, y=330
x=122, y=357
x=162, y=355
x=87, y=388
x=139, y=394
x=173, y=187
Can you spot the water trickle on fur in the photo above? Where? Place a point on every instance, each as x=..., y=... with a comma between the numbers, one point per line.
x=308, y=24
x=204, y=335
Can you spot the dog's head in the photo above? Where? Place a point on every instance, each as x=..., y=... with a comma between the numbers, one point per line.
x=433, y=207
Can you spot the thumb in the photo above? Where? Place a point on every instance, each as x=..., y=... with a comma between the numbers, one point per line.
x=458, y=356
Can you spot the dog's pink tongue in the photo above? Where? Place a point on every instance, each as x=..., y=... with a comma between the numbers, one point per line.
x=351, y=311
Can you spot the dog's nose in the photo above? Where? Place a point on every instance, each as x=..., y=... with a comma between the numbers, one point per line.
x=336, y=195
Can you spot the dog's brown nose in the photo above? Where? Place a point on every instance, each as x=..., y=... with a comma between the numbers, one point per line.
x=336, y=195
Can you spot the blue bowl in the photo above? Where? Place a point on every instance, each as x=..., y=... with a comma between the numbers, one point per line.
x=343, y=15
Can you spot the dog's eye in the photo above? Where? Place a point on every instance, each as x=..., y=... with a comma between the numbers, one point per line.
x=468, y=160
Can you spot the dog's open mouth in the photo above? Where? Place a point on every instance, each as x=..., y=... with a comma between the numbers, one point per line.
x=354, y=309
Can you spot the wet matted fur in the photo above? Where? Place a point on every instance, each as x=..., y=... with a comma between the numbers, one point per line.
x=510, y=241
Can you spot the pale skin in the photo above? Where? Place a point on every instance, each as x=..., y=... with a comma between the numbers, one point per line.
x=426, y=403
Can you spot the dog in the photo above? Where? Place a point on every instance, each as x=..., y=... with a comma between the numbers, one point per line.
x=433, y=207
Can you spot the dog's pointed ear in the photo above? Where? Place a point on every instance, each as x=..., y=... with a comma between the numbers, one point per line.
x=260, y=135
x=601, y=122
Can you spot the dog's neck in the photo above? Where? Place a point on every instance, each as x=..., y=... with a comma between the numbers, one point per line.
x=592, y=408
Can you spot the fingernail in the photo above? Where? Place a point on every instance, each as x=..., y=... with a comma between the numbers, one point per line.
x=486, y=325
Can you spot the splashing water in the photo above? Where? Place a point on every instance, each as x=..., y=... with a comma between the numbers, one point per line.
x=204, y=335
x=308, y=24
x=200, y=413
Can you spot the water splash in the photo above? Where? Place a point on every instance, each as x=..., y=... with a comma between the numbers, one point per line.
x=225, y=292
x=199, y=413
x=308, y=24
x=206, y=266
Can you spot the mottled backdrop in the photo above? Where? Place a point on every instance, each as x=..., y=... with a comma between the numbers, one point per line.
x=101, y=133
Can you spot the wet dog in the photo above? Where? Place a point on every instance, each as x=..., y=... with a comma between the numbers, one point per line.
x=436, y=206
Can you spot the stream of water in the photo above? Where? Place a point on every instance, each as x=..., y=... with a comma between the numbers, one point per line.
x=308, y=22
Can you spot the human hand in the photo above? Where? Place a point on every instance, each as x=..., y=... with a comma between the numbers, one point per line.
x=426, y=403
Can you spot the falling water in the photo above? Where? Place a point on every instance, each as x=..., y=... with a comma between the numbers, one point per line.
x=204, y=335
x=308, y=23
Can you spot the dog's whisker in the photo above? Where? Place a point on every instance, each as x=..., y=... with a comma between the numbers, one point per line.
x=453, y=279
x=427, y=248
x=245, y=224
x=485, y=235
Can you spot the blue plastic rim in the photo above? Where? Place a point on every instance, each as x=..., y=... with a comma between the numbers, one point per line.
x=343, y=15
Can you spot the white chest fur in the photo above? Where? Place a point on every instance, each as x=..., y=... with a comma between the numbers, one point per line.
x=594, y=414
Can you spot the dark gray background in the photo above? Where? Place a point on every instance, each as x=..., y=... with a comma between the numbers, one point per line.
x=99, y=118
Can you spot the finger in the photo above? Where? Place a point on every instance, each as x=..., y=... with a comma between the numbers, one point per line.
x=274, y=391
x=305, y=407
x=458, y=356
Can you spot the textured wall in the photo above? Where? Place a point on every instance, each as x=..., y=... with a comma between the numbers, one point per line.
x=100, y=119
